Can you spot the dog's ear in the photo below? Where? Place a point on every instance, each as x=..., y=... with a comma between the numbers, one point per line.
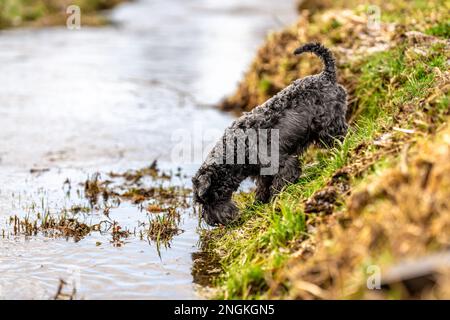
x=204, y=182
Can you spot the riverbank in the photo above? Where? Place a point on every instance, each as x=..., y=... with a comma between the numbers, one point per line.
x=40, y=13
x=379, y=198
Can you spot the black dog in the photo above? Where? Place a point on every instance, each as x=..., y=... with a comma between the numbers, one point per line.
x=310, y=110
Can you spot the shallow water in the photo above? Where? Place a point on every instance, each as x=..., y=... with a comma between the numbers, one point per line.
x=81, y=101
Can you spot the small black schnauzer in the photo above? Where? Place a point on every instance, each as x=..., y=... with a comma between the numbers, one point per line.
x=310, y=110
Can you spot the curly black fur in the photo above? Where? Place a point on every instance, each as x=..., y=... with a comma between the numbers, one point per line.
x=310, y=110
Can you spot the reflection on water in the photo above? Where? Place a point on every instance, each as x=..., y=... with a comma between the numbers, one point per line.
x=78, y=102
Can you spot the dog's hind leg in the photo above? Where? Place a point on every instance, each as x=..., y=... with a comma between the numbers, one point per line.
x=263, y=184
x=288, y=173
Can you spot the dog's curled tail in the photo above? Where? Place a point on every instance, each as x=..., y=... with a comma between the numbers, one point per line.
x=329, y=71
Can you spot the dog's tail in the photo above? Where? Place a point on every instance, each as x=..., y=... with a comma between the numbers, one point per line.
x=329, y=71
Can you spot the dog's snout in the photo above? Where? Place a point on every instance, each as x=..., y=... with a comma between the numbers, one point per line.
x=209, y=219
x=221, y=213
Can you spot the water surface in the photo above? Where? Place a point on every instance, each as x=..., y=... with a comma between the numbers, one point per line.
x=74, y=102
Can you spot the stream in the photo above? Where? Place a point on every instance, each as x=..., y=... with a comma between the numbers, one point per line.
x=76, y=102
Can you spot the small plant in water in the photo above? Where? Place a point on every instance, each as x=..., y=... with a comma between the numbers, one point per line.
x=163, y=228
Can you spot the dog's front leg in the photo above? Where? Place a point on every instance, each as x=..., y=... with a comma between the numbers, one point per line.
x=288, y=173
x=263, y=184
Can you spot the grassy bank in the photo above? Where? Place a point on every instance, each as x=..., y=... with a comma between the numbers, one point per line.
x=363, y=203
x=15, y=13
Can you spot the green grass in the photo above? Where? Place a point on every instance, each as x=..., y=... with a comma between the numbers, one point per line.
x=252, y=252
x=415, y=13
x=441, y=29
x=13, y=12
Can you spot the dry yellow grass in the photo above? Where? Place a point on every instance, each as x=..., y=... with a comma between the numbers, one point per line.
x=404, y=213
